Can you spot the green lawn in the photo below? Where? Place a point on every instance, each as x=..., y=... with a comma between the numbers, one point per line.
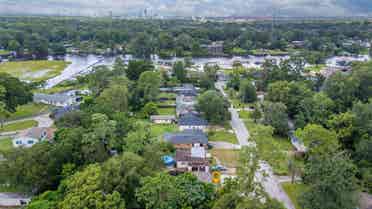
x=157, y=130
x=55, y=89
x=28, y=110
x=34, y=70
x=167, y=111
x=62, y=87
x=19, y=126
x=4, y=52
x=294, y=191
x=228, y=158
x=170, y=96
x=245, y=115
x=166, y=102
x=315, y=68
x=273, y=149
x=5, y=144
x=223, y=136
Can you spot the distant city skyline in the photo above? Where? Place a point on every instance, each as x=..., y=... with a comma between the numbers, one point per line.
x=210, y=8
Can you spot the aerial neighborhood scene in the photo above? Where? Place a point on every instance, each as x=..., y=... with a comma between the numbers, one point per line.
x=194, y=104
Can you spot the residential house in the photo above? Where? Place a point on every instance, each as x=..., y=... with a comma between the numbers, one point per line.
x=298, y=44
x=187, y=139
x=163, y=119
x=185, y=103
x=191, y=121
x=62, y=111
x=215, y=48
x=192, y=160
x=59, y=100
x=184, y=89
x=32, y=136
x=191, y=154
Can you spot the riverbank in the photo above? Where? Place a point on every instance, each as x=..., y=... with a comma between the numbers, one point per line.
x=34, y=71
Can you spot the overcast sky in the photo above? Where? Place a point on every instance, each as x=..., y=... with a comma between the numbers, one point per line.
x=190, y=7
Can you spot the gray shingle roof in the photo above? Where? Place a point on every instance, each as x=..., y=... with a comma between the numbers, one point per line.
x=186, y=137
x=191, y=120
x=54, y=98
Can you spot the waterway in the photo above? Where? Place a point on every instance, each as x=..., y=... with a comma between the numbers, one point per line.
x=84, y=64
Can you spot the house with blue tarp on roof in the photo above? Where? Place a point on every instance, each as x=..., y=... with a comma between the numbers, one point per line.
x=191, y=150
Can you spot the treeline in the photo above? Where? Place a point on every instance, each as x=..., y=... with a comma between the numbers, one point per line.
x=29, y=37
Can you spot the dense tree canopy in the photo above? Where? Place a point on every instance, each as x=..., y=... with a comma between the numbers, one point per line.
x=214, y=107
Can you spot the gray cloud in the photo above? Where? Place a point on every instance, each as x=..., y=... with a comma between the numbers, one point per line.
x=190, y=7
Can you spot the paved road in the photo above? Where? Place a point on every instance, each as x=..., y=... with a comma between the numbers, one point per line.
x=43, y=120
x=265, y=175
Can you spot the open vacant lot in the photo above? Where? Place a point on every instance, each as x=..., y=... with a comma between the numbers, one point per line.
x=28, y=110
x=223, y=136
x=157, y=130
x=228, y=158
x=34, y=70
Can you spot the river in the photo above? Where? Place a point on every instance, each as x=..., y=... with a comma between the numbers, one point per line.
x=79, y=65
x=84, y=64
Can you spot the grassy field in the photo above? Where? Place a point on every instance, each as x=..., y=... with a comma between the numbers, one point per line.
x=166, y=111
x=19, y=126
x=62, y=87
x=34, y=70
x=166, y=102
x=5, y=144
x=157, y=130
x=315, y=68
x=293, y=191
x=223, y=136
x=28, y=110
x=228, y=158
x=274, y=149
x=170, y=96
x=245, y=115
x=4, y=52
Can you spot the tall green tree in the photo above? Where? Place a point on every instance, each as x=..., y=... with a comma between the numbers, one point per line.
x=331, y=183
x=343, y=125
x=114, y=99
x=247, y=91
x=363, y=117
x=148, y=86
x=316, y=109
x=136, y=68
x=143, y=45
x=123, y=174
x=83, y=190
x=317, y=139
x=289, y=93
x=16, y=92
x=342, y=89
x=275, y=115
x=184, y=191
x=180, y=71
x=214, y=107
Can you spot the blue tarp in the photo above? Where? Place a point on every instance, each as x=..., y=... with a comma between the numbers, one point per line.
x=168, y=160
